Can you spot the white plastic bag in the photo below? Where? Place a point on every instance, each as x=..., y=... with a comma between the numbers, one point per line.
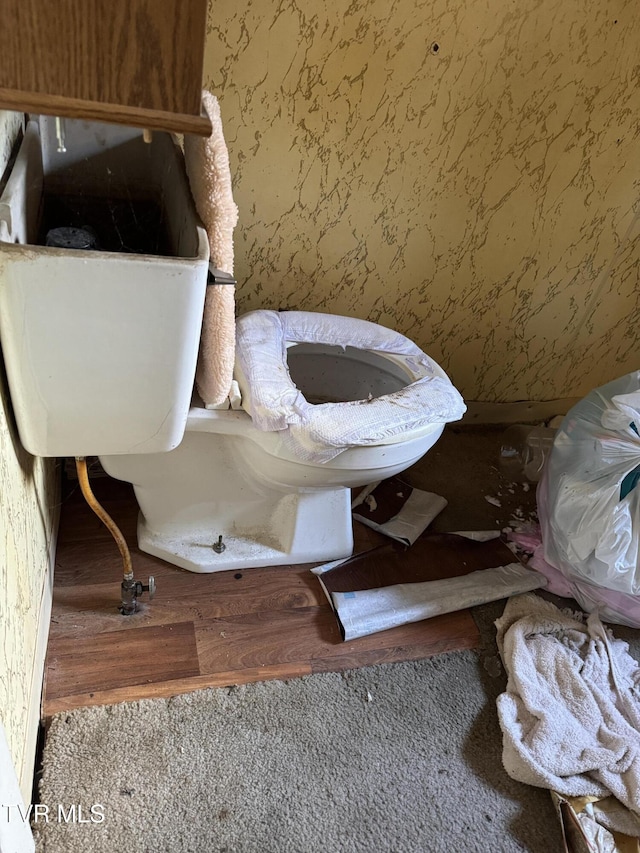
x=589, y=499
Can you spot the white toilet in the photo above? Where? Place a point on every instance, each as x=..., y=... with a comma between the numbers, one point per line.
x=329, y=403
x=100, y=349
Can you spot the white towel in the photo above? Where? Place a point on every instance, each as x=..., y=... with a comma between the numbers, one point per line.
x=571, y=712
x=318, y=433
x=207, y=163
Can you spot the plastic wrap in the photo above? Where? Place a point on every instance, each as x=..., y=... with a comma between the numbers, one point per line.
x=589, y=501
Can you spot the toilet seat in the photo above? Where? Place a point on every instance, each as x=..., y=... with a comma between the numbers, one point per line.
x=318, y=433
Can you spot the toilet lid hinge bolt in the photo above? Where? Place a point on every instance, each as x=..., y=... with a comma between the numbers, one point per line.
x=219, y=546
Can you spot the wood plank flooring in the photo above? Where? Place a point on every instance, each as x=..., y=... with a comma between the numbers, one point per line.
x=200, y=630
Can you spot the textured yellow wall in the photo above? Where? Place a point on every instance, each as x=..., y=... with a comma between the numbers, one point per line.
x=464, y=172
x=27, y=509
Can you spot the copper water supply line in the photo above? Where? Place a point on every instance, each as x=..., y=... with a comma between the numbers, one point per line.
x=103, y=515
x=130, y=589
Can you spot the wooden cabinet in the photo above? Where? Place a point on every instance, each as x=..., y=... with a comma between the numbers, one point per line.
x=134, y=62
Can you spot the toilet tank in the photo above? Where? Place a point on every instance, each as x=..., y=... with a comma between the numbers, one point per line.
x=100, y=344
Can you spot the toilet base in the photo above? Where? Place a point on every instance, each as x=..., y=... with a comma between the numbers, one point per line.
x=305, y=527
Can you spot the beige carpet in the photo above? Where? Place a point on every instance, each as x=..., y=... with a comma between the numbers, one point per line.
x=400, y=757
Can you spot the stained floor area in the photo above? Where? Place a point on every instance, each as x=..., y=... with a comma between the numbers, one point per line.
x=235, y=627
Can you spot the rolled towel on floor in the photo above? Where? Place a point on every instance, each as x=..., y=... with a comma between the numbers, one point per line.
x=207, y=163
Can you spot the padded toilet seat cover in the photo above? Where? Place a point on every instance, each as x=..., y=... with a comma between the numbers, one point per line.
x=318, y=433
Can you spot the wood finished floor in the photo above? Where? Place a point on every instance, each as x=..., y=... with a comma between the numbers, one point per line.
x=200, y=630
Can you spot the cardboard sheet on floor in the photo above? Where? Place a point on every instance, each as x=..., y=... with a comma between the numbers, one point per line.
x=396, y=509
x=583, y=821
x=393, y=585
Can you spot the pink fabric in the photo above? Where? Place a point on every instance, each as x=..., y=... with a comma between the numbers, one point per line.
x=612, y=606
x=530, y=541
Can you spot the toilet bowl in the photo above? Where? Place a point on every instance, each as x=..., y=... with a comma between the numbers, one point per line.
x=329, y=403
x=100, y=348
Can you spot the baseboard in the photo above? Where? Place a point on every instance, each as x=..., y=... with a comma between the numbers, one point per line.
x=37, y=672
x=522, y=411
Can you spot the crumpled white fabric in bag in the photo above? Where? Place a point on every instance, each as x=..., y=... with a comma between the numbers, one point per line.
x=318, y=433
